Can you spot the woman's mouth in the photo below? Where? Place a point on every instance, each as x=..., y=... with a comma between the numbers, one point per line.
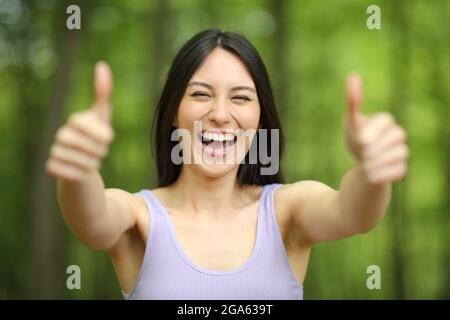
x=217, y=144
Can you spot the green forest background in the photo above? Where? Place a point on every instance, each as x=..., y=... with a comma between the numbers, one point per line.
x=309, y=47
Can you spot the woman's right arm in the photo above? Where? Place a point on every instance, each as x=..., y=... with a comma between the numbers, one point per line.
x=98, y=217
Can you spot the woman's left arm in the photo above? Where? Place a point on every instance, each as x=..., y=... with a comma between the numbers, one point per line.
x=379, y=147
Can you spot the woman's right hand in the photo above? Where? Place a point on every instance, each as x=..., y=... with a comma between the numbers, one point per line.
x=81, y=144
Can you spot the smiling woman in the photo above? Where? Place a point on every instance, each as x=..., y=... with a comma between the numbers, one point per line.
x=217, y=77
x=213, y=229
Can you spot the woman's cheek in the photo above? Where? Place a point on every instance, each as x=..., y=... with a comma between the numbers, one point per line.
x=187, y=114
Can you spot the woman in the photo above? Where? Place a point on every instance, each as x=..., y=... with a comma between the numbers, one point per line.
x=218, y=229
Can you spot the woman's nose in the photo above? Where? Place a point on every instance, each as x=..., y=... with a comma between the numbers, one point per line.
x=220, y=111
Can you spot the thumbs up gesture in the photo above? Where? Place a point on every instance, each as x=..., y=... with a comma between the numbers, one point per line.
x=377, y=141
x=81, y=144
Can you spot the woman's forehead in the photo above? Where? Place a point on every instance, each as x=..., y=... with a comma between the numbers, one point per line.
x=222, y=67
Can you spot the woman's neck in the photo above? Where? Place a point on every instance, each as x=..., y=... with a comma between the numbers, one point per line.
x=202, y=195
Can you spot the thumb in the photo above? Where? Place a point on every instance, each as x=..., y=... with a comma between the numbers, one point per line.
x=102, y=90
x=354, y=99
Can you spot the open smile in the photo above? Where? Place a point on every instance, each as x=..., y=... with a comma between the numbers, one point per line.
x=217, y=143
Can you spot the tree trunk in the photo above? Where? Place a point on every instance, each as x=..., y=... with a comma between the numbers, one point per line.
x=400, y=62
x=46, y=250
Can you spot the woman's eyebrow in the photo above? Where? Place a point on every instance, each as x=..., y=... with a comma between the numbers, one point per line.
x=243, y=88
x=203, y=84
x=210, y=87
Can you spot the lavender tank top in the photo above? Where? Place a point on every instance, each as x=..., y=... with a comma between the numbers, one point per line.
x=168, y=274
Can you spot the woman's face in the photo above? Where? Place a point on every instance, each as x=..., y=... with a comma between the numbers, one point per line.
x=221, y=98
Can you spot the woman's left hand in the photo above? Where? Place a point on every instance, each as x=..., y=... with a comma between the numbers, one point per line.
x=377, y=141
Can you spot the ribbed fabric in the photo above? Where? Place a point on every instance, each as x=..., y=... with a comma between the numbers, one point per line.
x=167, y=273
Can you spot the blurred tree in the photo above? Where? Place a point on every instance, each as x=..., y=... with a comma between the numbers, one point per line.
x=441, y=91
x=280, y=53
x=46, y=251
x=400, y=64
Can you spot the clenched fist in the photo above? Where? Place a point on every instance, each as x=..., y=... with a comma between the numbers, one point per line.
x=377, y=141
x=82, y=143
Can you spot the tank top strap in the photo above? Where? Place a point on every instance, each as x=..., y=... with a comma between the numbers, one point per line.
x=272, y=230
x=153, y=205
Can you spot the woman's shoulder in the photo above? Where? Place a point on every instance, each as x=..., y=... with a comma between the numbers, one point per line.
x=133, y=201
x=292, y=196
x=300, y=189
x=137, y=205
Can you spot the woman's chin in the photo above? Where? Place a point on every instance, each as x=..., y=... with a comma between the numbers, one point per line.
x=216, y=164
x=216, y=170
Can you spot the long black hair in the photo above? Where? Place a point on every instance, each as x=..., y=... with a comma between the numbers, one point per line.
x=186, y=62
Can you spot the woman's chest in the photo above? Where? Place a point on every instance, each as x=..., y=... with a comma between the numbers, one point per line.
x=218, y=245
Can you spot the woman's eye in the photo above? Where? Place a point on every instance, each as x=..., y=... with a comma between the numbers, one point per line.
x=199, y=94
x=243, y=98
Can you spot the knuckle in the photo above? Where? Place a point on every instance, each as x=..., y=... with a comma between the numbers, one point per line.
x=87, y=144
x=97, y=150
x=96, y=163
x=78, y=118
x=49, y=166
x=387, y=116
x=66, y=136
x=54, y=151
x=100, y=132
x=402, y=170
x=405, y=151
x=402, y=133
x=60, y=134
x=362, y=139
x=108, y=134
x=408, y=152
x=103, y=151
x=112, y=134
x=74, y=118
x=52, y=168
x=88, y=161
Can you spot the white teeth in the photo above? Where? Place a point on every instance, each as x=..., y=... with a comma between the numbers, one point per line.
x=228, y=137
x=218, y=136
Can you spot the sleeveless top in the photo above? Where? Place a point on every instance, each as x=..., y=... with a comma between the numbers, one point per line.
x=168, y=274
